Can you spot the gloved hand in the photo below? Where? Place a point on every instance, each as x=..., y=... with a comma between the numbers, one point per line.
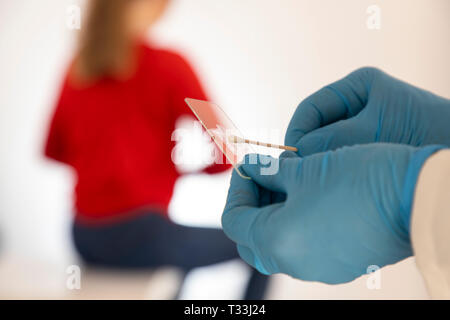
x=344, y=211
x=369, y=106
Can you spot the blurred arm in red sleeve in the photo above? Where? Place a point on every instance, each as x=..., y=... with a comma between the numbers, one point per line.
x=187, y=85
x=56, y=146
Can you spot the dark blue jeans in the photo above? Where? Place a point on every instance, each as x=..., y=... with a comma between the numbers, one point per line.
x=151, y=240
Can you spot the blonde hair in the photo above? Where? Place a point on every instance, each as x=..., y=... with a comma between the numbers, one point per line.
x=104, y=47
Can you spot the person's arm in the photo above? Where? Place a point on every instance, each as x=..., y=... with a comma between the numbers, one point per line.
x=430, y=224
x=56, y=143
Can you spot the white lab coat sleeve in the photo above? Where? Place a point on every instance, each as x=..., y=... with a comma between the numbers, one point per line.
x=430, y=224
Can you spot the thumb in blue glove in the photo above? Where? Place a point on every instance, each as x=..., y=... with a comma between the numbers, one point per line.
x=368, y=106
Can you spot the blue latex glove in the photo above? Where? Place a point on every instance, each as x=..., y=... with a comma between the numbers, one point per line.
x=369, y=106
x=345, y=210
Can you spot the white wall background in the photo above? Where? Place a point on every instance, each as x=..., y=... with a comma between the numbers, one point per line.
x=257, y=59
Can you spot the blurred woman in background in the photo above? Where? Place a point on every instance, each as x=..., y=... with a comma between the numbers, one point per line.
x=113, y=124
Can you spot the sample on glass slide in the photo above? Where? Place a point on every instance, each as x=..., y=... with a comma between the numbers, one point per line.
x=224, y=133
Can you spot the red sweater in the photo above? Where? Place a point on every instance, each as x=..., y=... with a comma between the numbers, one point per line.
x=116, y=134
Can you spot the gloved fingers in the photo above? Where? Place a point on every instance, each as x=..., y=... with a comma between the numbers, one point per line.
x=269, y=197
x=340, y=100
x=249, y=257
x=242, y=192
x=245, y=192
x=336, y=135
x=268, y=172
x=281, y=196
x=246, y=254
x=241, y=207
x=244, y=224
x=278, y=197
x=288, y=154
